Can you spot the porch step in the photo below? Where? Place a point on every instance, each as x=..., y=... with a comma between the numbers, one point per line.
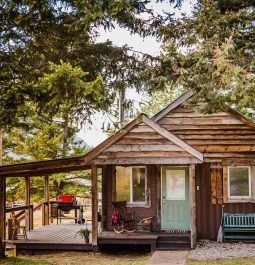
x=173, y=242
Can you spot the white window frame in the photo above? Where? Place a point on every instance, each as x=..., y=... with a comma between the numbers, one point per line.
x=131, y=203
x=239, y=198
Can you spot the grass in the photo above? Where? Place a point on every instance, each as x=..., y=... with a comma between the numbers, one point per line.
x=78, y=258
x=245, y=261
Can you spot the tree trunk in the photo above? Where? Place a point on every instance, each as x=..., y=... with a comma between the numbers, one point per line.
x=2, y=254
x=1, y=147
x=65, y=138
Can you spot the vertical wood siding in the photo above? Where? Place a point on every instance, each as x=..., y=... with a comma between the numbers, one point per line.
x=208, y=214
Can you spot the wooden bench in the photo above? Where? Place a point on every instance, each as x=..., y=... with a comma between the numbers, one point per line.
x=243, y=224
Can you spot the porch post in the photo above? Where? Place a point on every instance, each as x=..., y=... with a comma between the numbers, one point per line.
x=46, y=200
x=192, y=192
x=94, y=208
x=2, y=215
x=27, y=203
x=104, y=198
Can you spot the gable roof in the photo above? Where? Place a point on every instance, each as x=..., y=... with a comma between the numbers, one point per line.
x=187, y=95
x=184, y=97
x=142, y=118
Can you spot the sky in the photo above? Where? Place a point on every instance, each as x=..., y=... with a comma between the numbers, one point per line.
x=93, y=134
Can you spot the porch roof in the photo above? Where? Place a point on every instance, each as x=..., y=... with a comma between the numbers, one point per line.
x=44, y=167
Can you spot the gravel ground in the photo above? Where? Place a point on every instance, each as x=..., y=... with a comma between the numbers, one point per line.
x=214, y=251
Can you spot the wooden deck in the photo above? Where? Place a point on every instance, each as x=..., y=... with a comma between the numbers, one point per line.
x=63, y=237
x=52, y=237
x=156, y=240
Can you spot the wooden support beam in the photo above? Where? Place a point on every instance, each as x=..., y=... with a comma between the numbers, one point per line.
x=104, y=198
x=94, y=208
x=46, y=199
x=27, y=202
x=2, y=215
x=192, y=195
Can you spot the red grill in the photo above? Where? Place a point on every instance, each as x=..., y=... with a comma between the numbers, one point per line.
x=67, y=199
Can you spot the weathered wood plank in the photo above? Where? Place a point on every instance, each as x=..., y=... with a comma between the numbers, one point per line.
x=225, y=148
x=144, y=154
x=46, y=199
x=238, y=161
x=142, y=128
x=225, y=184
x=42, y=168
x=232, y=155
x=27, y=202
x=199, y=121
x=141, y=148
x=143, y=141
x=143, y=136
x=195, y=114
x=221, y=142
x=158, y=197
x=192, y=193
x=94, y=206
x=216, y=137
x=147, y=161
x=215, y=129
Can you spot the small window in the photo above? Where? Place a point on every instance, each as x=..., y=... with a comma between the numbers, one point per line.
x=239, y=181
x=131, y=184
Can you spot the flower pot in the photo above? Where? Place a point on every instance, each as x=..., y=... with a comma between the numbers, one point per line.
x=86, y=239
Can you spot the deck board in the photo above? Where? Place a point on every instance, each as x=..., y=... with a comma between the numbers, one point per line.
x=53, y=234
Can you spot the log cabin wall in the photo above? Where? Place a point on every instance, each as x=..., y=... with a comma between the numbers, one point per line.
x=139, y=212
x=219, y=135
x=209, y=215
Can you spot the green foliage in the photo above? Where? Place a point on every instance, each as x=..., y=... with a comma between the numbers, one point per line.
x=159, y=99
x=212, y=52
x=83, y=233
x=42, y=139
x=47, y=40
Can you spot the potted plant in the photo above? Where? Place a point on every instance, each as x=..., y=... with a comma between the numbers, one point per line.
x=84, y=233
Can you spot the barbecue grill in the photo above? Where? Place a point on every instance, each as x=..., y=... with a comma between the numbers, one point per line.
x=67, y=203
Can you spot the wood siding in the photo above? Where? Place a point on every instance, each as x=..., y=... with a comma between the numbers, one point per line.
x=143, y=145
x=209, y=215
x=139, y=212
x=219, y=135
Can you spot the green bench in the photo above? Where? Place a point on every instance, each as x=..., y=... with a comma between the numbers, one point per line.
x=242, y=224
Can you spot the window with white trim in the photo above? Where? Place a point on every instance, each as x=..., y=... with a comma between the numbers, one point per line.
x=239, y=182
x=131, y=184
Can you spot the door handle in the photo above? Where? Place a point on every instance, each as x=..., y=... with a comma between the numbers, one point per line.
x=164, y=200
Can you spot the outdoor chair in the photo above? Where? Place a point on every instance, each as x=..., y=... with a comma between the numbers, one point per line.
x=17, y=229
x=122, y=219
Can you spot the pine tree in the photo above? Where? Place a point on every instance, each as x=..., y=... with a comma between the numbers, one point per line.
x=212, y=52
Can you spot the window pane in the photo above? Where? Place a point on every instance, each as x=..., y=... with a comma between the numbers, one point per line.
x=175, y=184
x=138, y=175
x=123, y=184
x=239, y=181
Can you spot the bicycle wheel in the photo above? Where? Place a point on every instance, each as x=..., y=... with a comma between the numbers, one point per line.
x=118, y=228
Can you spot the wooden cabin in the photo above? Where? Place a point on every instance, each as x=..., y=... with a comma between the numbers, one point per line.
x=178, y=167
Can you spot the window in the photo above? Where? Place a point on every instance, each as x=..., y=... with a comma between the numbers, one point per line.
x=239, y=183
x=131, y=184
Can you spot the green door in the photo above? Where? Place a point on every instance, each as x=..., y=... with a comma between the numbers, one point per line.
x=175, y=198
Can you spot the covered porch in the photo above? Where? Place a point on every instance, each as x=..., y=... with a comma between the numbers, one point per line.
x=49, y=236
